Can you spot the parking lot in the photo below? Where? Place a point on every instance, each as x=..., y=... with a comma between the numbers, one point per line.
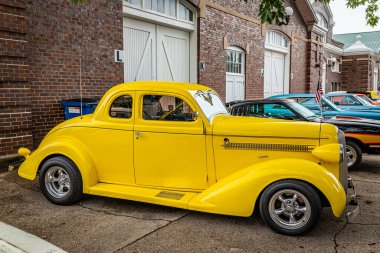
x=108, y=225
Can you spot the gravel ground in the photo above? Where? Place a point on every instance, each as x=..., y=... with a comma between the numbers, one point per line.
x=109, y=225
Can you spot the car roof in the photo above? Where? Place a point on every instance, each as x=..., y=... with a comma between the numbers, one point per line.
x=158, y=86
x=261, y=101
x=304, y=95
x=264, y=100
x=339, y=94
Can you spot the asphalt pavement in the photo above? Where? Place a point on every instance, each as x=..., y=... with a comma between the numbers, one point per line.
x=100, y=224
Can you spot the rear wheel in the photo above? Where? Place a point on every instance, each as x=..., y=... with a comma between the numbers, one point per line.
x=290, y=207
x=60, y=181
x=354, y=154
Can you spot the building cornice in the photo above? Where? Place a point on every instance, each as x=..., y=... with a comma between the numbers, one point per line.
x=317, y=29
x=353, y=53
x=334, y=49
x=307, y=11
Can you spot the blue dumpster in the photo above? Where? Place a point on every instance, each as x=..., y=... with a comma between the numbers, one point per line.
x=72, y=106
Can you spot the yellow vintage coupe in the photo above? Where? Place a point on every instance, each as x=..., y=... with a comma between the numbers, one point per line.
x=175, y=144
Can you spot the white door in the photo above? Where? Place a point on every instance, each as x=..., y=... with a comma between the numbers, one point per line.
x=154, y=52
x=139, y=51
x=234, y=88
x=235, y=76
x=172, y=54
x=274, y=73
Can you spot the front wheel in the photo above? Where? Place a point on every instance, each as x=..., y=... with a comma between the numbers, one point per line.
x=354, y=154
x=290, y=207
x=60, y=181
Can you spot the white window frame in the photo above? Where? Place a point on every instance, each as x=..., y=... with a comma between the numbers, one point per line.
x=237, y=50
x=274, y=47
x=141, y=12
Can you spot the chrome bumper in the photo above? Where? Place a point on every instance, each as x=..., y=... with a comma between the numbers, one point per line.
x=352, y=207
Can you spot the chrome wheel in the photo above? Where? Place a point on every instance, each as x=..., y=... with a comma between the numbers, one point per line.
x=352, y=155
x=57, y=182
x=289, y=209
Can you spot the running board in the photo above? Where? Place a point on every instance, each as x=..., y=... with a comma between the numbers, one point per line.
x=148, y=195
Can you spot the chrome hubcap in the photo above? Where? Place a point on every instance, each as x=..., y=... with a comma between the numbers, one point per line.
x=289, y=209
x=351, y=155
x=57, y=182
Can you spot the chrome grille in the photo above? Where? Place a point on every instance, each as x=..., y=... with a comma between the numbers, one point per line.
x=343, y=171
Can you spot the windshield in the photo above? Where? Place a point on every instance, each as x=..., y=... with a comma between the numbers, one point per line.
x=209, y=102
x=363, y=101
x=326, y=104
x=306, y=113
x=366, y=99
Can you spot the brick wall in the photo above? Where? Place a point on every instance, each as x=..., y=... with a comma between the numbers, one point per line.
x=59, y=35
x=315, y=53
x=355, y=72
x=15, y=91
x=218, y=25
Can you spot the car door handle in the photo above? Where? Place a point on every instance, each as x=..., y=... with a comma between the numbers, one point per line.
x=138, y=134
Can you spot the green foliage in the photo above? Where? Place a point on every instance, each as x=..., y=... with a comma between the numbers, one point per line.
x=274, y=10
x=372, y=7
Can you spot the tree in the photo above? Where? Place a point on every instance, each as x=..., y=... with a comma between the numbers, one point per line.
x=274, y=10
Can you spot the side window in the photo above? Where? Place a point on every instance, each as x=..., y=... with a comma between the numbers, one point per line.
x=121, y=107
x=278, y=111
x=167, y=108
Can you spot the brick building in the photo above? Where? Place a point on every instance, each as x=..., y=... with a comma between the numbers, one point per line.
x=218, y=43
x=360, y=60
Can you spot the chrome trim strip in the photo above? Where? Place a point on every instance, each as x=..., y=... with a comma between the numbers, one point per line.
x=268, y=147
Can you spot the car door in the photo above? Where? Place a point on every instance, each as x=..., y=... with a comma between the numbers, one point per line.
x=169, y=143
x=110, y=141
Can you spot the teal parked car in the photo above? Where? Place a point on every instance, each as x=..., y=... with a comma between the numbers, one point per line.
x=328, y=108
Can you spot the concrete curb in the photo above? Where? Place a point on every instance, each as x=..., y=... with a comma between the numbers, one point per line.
x=15, y=240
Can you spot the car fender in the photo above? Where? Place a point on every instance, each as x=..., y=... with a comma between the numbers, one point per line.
x=64, y=146
x=236, y=194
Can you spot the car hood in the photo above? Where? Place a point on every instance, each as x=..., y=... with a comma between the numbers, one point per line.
x=355, y=126
x=260, y=127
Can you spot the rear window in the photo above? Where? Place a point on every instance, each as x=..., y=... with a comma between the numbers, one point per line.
x=121, y=107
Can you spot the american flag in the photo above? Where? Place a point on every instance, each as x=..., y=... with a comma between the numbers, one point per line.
x=318, y=93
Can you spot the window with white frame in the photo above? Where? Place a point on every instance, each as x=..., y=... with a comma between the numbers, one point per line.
x=322, y=21
x=235, y=60
x=274, y=38
x=172, y=8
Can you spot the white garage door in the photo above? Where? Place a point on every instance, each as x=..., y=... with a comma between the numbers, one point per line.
x=274, y=73
x=154, y=52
